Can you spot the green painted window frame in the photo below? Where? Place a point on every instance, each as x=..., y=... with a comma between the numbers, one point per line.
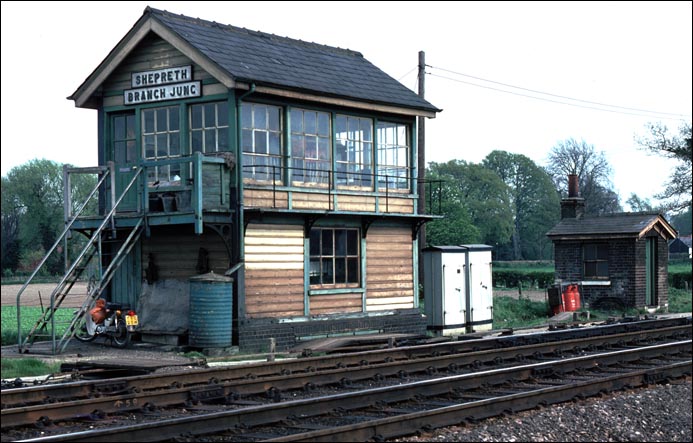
x=331, y=266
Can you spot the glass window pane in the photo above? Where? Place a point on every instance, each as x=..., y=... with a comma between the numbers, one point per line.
x=314, y=242
x=161, y=145
x=323, y=149
x=131, y=155
x=602, y=252
x=210, y=115
x=273, y=119
x=119, y=128
x=327, y=271
x=223, y=139
x=590, y=269
x=210, y=140
x=196, y=117
x=589, y=252
x=296, y=120
x=297, y=146
x=367, y=129
x=130, y=126
x=222, y=114
x=311, y=148
x=246, y=115
x=352, y=242
x=247, y=140
x=352, y=270
x=340, y=126
x=148, y=117
x=314, y=271
x=173, y=119
x=603, y=269
x=274, y=144
x=161, y=120
x=149, y=146
x=327, y=247
x=340, y=270
x=260, y=117
x=120, y=151
x=196, y=141
x=174, y=149
x=340, y=240
x=260, y=142
x=323, y=124
x=309, y=122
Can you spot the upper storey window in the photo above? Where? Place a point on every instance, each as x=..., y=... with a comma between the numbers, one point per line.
x=393, y=155
x=209, y=127
x=354, y=151
x=160, y=141
x=310, y=147
x=261, y=141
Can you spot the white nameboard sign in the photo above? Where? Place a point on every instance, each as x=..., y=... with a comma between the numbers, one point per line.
x=178, y=74
x=161, y=93
x=162, y=84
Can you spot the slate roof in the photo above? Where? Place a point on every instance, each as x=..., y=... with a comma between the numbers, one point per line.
x=625, y=224
x=289, y=64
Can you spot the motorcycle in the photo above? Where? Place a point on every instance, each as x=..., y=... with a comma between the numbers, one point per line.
x=112, y=320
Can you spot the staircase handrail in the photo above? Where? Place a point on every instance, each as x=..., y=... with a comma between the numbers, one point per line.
x=77, y=260
x=55, y=245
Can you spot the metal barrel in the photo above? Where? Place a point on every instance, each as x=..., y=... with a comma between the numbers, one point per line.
x=211, y=311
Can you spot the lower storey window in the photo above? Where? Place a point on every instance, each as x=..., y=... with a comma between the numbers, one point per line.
x=334, y=257
x=596, y=260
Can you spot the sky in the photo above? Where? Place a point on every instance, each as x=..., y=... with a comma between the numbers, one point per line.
x=513, y=76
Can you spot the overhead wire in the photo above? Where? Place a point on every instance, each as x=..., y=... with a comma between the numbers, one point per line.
x=618, y=109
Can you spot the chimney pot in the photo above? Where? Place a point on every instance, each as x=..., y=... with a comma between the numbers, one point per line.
x=573, y=186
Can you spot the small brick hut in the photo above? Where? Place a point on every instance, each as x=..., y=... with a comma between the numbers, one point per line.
x=619, y=259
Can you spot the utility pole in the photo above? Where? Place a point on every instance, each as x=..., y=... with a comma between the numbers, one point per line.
x=421, y=188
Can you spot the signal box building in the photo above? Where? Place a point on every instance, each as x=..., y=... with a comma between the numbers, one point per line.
x=290, y=167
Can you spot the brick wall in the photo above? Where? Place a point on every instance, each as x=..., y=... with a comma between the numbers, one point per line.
x=254, y=334
x=626, y=270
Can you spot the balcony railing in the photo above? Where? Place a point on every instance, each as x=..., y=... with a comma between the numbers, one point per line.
x=205, y=187
x=281, y=179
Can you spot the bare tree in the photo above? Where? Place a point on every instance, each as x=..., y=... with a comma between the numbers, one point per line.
x=593, y=170
x=677, y=190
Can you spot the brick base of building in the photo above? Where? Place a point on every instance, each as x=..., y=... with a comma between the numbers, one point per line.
x=254, y=334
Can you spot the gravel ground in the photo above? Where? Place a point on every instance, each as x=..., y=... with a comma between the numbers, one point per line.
x=660, y=413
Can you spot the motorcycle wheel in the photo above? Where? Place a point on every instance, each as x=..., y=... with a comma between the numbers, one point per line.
x=81, y=333
x=121, y=337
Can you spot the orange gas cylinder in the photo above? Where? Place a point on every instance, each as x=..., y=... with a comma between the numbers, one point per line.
x=572, y=298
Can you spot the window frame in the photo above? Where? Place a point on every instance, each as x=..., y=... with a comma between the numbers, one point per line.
x=397, y=146
x=320, y=252
x=595, y=261
x=251, y=157
x=312, y=167
x=205, y=130
x=162, y=174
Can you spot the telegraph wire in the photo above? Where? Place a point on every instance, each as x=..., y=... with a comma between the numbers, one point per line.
x=639, y=112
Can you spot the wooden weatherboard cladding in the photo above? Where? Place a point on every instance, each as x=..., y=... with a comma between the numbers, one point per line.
x=149, y=56
x=390, y=268
x=274, y=270
x=176, y=253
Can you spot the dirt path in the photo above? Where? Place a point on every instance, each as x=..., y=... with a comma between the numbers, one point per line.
x=30, y=297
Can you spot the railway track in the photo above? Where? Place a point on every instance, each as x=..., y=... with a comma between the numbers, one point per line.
x=248, y=387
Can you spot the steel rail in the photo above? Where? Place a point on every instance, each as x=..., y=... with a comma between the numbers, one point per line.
x=123, y=396
x=260, y=415
x=57, y=392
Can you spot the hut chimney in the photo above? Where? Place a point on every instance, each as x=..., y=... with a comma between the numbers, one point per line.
x=573, y=206
x=573, y=185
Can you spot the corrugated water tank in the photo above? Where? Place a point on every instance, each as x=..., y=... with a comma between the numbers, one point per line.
x=211, y=311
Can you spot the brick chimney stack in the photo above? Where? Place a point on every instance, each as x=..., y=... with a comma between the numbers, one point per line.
x=574, y=205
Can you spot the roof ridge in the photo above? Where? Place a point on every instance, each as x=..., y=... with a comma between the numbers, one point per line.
x=214, y=24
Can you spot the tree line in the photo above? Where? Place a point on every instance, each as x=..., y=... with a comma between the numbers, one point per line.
x=506, y=201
